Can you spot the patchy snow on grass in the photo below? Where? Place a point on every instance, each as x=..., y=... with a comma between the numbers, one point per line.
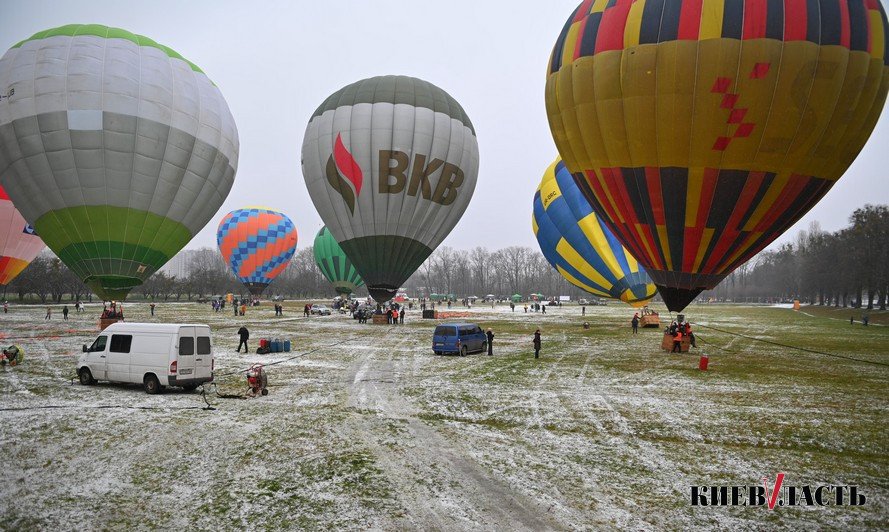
x=365, y=428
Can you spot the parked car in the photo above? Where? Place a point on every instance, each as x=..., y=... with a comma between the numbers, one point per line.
x=321, y=310
x=155, y=355
x=461, y=338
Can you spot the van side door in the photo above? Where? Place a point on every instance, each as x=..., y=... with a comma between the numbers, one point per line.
x=203, y=362
x=186, y=344
x=97, y=358
x=119, y=357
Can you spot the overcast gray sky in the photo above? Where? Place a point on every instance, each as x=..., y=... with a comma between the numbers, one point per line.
x=275, y=62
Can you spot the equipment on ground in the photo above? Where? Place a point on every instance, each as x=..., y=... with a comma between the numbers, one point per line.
x=257, y=381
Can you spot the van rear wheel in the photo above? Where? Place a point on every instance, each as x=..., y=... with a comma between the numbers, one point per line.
x=190, y=387
x=152, y=385
x=86, y=377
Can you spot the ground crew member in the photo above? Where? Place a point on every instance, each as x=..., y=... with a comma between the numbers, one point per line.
x=677, y=342
x=244, y=334
x=490, y=335
x=635, y=323
x=537, y=343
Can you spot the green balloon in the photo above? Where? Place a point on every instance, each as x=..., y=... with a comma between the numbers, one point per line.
x=334, y=263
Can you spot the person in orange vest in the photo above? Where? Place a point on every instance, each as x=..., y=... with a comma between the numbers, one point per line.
x=395, y=316
x=677, y=342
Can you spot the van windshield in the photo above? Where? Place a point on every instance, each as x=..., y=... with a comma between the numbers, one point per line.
x=444, y=330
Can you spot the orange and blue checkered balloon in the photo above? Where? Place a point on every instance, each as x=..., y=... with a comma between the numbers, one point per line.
x=257, y=244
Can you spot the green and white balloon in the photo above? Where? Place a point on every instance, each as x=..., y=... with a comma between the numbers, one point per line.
x=116, y=148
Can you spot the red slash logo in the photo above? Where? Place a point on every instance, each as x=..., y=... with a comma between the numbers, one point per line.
x=341, y=164
x=772, y=496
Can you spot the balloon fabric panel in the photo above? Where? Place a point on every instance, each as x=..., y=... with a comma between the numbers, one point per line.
x=713, y=125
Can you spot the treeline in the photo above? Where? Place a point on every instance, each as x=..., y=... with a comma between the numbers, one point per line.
x=849, y=267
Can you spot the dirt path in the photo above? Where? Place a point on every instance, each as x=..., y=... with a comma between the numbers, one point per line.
x=439, y=484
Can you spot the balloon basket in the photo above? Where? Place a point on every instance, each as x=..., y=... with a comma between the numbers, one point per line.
x=380, y=319
x=667, y=343
x=105, y=322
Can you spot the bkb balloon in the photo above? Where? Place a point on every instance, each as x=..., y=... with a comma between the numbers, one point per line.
x=391, y=164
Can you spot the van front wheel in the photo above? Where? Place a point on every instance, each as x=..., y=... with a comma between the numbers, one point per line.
x=86, y=377
x=463, y=351
x=152, y=385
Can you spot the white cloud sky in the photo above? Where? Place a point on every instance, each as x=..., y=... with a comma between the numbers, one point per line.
x=275, y=62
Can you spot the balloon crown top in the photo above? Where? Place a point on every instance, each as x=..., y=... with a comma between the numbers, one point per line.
x=106, y=32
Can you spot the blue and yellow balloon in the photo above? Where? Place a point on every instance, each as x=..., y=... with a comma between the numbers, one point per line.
x=579, y=245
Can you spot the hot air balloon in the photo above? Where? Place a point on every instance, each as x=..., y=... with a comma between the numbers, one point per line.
x=114, y=147
x=391, y=164
x=334, y=263
x=19, y=243
x=257, y=244
x=704, y=130
x=579, y=245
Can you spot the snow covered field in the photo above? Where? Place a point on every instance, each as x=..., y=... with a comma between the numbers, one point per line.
x=604, y=431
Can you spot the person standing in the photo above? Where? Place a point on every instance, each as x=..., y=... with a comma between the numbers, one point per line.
x=65, y=312
x=635, y=323
x=537, y=343
x=583, y=311
x=6, y=307
x=490, y=335
x=235, y=307
x=677, y=342
x=48, y=313
x=244, y=334
x=401, y=316
x=544, y=309
x=151, y=306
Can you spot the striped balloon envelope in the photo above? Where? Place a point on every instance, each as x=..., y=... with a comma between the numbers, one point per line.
x=116, y=148
x=19, y=243
x=580, y=246
x=257, y=244
x=704, y=129
x=334, y=264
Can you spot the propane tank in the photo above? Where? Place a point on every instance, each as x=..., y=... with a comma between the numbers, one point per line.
x=702, y=365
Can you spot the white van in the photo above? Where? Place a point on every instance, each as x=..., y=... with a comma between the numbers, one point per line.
x=155, y=355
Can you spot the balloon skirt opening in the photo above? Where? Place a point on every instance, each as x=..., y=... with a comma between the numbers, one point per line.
x=677, y=299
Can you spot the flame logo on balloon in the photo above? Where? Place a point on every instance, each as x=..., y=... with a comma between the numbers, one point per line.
x=342, y=162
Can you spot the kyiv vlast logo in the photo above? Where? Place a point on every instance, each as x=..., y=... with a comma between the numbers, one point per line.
x=398, y=174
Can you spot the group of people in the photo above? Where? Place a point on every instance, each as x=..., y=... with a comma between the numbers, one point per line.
x=114, y=311
x=680, y=330
x=394, y=313
x=279, y=309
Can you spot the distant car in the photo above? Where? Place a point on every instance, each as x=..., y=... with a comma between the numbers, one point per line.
x=460, y=338
x=320, y=310
x=583, y=302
